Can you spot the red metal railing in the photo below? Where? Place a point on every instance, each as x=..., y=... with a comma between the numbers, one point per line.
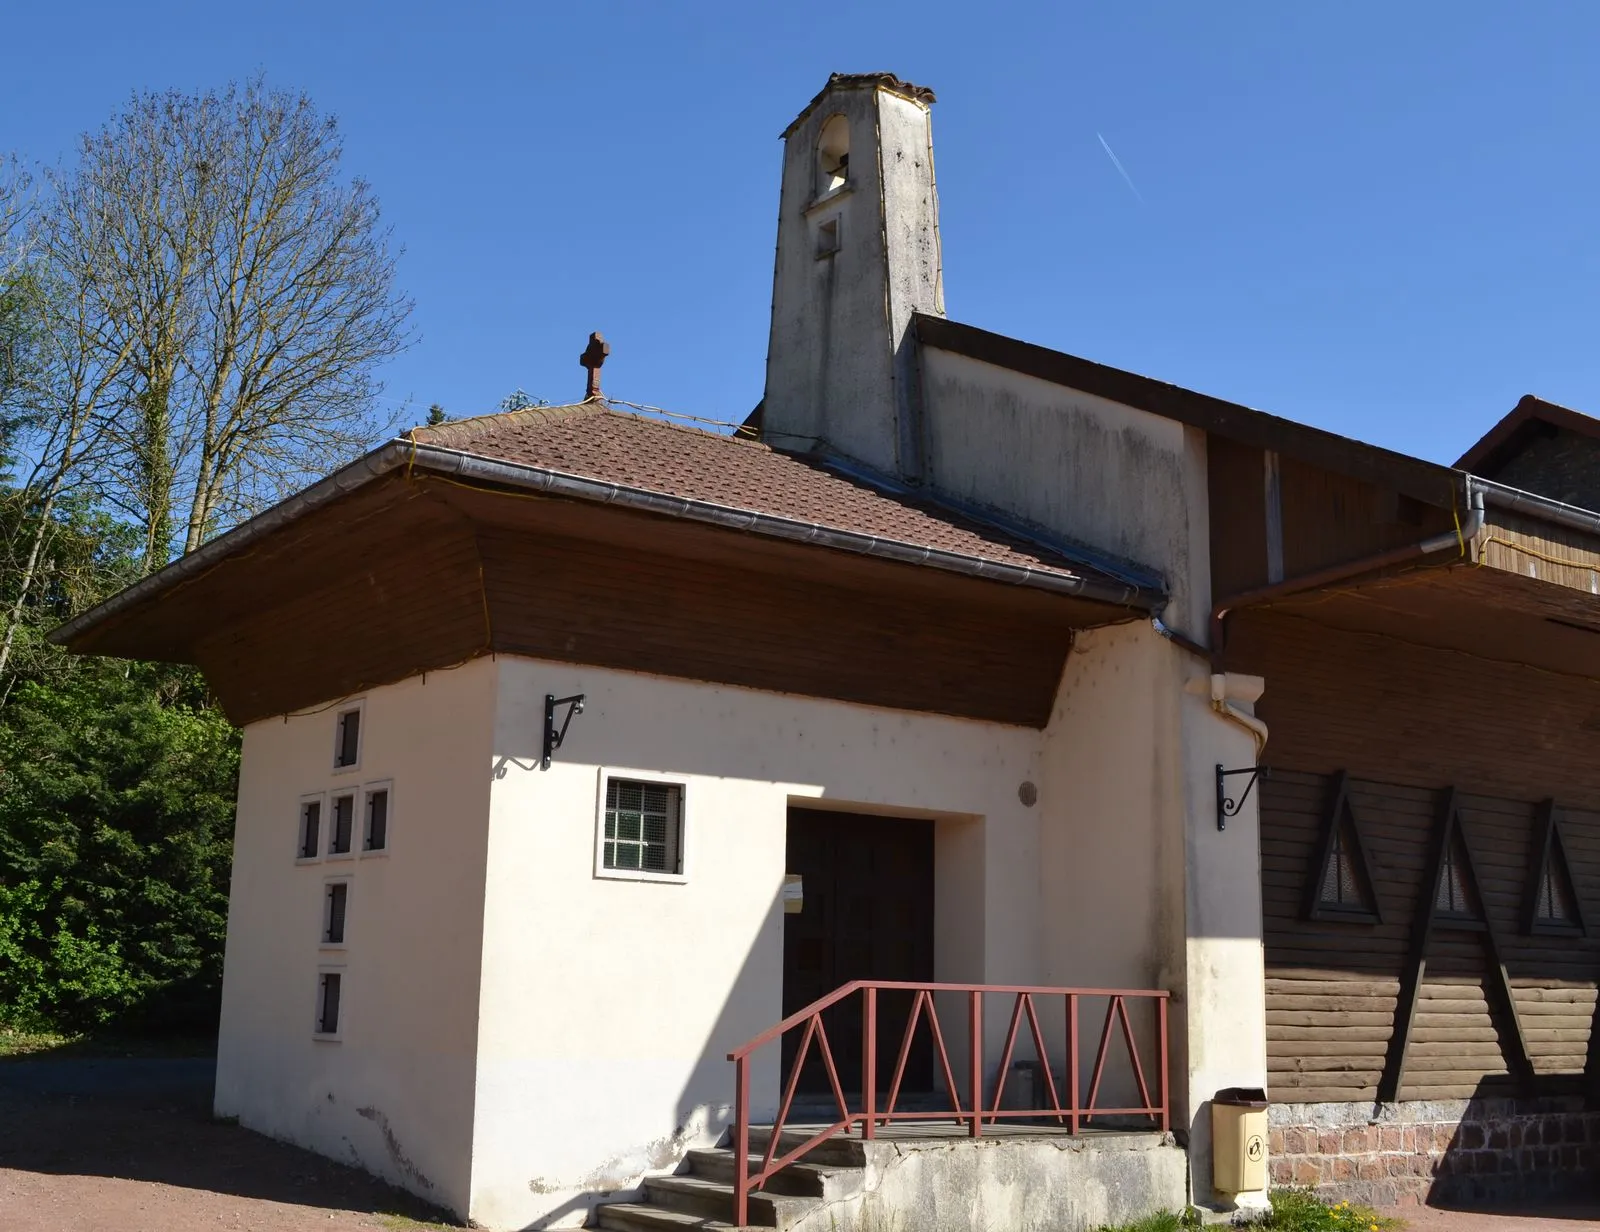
x=1072, y=1114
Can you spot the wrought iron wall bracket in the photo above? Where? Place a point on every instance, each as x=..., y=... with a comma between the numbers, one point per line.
x=552, y=737
x=1227, y=806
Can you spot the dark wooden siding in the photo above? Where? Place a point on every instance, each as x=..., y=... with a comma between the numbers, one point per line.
x=1236, y=479
x=404, y=577
x=1326, y=518
x=1407, y=722
x=1329, y=518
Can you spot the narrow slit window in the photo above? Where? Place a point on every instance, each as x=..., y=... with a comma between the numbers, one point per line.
x=643, y=827
x=347, y=739
x=335, y=909
x=375, y=829
x=833, y=154
x=342, y=826
x=310, y=829
x=329, y=989
x=827, y=238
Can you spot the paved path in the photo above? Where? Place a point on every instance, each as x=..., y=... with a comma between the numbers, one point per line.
x=1535, y=1219
x=130, y=1146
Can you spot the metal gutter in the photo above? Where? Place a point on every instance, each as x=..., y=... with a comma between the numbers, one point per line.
x=1574, y=517
x=1459, y=538
x=402, y=452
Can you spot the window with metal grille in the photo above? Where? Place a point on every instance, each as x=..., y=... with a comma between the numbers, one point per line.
x=375, y=828
x=329, y=989
x=1453, y=898
x=335, y=907
x=310, y=828
x=1340, y=888
x=1340, y=884
x=342, y=829
x=347, y=739
x=1553, y=904
x=643, y=827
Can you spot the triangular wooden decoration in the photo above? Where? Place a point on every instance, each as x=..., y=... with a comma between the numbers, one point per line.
x=1552, y=901
x=1450, y=896
x=1342, y=886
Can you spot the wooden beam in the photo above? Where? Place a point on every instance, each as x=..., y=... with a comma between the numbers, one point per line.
x=1447, y=829
x=1405, y=1009
x=1521, y=1064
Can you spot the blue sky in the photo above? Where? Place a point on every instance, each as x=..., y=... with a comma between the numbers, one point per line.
x=1376, y=218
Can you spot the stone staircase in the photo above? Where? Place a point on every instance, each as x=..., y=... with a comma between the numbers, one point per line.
x=702, y=1196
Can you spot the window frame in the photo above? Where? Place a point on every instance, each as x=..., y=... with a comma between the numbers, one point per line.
x=357, y=707
x=368, y=790
x=337, y=1034
x=601, y=872
x=348, y=882
x=1548, y=858
x=320, y=799
x=1340, y=818
x=328, y=853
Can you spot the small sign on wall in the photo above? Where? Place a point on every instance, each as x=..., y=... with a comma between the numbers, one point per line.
x=794, y=895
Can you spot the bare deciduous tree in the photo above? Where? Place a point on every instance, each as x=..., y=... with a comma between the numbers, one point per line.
x=255, y=289
x=63, y=374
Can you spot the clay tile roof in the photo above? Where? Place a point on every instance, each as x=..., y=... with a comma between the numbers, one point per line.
x=594, y=441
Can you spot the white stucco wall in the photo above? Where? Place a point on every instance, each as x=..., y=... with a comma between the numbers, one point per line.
x=592, y=1050
x=609, y=1007
x=394, y=1095
x=1118, y=479
x=1134, y=738
x=1225, y=1003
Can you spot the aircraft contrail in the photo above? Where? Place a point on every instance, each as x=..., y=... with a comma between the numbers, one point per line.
x=1123, y=171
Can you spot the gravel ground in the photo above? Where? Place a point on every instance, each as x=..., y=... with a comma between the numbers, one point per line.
x=130, y=1146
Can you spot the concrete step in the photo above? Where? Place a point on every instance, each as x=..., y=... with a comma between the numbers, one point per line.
x=838, y=1151
x=638, y=1217
x=699, y=1195
x=803, y=1179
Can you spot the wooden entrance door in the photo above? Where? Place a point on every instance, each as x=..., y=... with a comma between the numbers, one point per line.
x=868, y=915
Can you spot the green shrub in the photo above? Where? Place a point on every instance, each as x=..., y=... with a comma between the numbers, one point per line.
x=1293, y=1210
x=116, y=820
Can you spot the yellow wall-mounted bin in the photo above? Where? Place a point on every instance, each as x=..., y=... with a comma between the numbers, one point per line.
x=1239, y=1140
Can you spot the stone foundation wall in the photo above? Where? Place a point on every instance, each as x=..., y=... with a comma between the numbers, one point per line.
x=1458, y=1150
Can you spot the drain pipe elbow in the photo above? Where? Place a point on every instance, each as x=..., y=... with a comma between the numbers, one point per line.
x=1463, y=535
x=1233, y=713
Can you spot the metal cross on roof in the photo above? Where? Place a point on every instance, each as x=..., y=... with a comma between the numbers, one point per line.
x=593, y=357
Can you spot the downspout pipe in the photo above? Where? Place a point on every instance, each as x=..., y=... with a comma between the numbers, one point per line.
x=1458, y=538
x=1236, y=714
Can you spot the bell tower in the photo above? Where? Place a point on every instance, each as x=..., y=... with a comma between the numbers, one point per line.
x=858, y=254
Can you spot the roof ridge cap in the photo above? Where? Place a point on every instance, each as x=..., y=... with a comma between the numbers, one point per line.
x=545, y=411
x=666, y=422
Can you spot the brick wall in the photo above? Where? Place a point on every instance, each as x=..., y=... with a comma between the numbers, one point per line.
x=1459, y=1150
